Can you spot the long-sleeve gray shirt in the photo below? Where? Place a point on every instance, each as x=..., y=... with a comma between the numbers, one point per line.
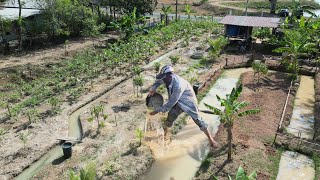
x=181, y=93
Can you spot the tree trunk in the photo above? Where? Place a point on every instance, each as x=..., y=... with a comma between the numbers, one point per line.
x=19, y=25
x=229, y=130
x=273, y=4
x=176, y=10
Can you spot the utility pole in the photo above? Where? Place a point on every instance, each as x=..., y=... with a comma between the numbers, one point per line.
x=247, y=8
x=176, y=10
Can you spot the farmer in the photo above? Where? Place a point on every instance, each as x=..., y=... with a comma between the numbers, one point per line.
x=182, y=98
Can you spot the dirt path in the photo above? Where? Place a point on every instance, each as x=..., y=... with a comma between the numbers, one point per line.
x=52, y=54
x=220, y=4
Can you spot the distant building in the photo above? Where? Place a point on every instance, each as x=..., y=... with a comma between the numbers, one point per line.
x=241, y=26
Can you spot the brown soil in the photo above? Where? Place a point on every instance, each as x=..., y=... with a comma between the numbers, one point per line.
x=252, y=135
x=53, y=54
x=317, y=106
x=111, y=148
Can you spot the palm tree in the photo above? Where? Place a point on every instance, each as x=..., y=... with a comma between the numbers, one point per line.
x=295, y=44
x=231, y=112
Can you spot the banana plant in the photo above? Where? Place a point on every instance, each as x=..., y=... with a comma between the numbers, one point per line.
x=166, y=11
x=187, y=9
x=232, y=111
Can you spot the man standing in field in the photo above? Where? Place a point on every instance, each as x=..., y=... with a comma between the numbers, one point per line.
x=182, y=98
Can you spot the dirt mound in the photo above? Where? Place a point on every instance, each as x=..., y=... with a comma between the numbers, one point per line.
x=317, y=106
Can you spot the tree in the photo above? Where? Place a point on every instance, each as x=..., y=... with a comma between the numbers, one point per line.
x=142, y=6
x=260, y=69
x=294, y=45
x=273, y=5
x=19, y=22
x=233, y=110
x=127, y=23
x=5, y=27
x=70, y=18
x=166, y=11
x=138, y=82
x=298, y=9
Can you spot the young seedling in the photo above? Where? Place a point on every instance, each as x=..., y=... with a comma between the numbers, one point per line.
x=32, y=115
x=156, y=66
x=23, y=136
x=87, y=173
x=260, y=69
x=139, y=135
x=66, y=48
x=174, y=59
x=54, y=102
x=138, y=82
x=136, y=70
x=96, y=112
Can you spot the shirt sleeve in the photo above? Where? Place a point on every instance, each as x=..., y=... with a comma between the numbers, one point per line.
x=156, y=84
x=177, y=90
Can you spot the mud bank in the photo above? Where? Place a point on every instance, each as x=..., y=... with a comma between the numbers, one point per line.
x=317, y=107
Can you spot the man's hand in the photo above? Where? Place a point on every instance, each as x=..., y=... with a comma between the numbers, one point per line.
x=151, y=92
x=153, y=113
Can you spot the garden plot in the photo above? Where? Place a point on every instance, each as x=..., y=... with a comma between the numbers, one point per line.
x=116, y=137
x=79, y=83
x=253, y=134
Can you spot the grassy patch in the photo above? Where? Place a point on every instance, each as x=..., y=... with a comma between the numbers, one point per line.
x=316, y=160
x=273, y=167
x=255, y=161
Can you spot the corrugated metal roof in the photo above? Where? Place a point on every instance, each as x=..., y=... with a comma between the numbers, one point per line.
x=252, y=21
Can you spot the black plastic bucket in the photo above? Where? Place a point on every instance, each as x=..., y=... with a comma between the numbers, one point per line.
x=154, y=101
x=67, y=150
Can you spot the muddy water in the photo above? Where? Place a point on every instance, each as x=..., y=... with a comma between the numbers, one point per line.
x=182, y=157
x=295, y=166
x=302, y=116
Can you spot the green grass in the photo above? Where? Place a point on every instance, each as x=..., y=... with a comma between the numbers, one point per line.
x=266, y=5
x=316, y=160
x=273, y=167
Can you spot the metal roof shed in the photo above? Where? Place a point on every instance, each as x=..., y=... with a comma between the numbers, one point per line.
x=241, y=26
